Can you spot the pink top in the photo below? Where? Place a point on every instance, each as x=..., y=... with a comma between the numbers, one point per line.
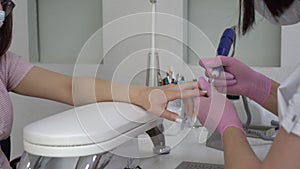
x=12, y=70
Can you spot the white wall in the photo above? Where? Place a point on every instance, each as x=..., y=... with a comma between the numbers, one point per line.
x=84, y=18
x=29, y=109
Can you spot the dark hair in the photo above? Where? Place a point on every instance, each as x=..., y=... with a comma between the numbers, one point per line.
x=6, y=34
x=245, y=23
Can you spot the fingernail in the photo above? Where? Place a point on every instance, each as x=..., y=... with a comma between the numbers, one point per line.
x=178, y=120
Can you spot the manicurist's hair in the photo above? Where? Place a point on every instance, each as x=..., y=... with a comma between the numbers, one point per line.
x=247, y=12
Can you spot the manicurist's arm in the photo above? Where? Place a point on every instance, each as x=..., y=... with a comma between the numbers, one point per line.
x=271, y=102
x=237, y=152
x=284, y=152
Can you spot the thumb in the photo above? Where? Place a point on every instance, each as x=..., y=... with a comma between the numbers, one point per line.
x=200, y=112
x=204, y=85
x=226, y=61
x=210, y=62
x=171, y=116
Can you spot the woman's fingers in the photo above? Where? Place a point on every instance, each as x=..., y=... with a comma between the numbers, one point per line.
x=171, y=116
x=222, y=83
x=188, y=85
x=188, y=105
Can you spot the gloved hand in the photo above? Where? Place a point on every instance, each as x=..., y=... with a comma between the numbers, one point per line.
x=215, y=111
x=238, y=78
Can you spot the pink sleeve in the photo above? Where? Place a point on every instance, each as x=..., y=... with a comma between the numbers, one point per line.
x=4, y=164
x=16, y=69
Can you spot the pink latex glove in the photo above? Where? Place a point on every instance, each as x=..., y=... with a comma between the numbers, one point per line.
x=238, y=78
x=215, y=111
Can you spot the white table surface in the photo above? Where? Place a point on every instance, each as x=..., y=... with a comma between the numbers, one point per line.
x=190, y=149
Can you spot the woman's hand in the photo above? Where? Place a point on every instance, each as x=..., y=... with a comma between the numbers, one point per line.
x=155, y=99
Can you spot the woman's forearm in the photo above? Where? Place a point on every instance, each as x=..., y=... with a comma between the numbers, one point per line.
x=108, y=91
x=90, y=90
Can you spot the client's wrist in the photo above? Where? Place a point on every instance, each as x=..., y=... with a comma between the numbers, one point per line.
x=138, y=95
